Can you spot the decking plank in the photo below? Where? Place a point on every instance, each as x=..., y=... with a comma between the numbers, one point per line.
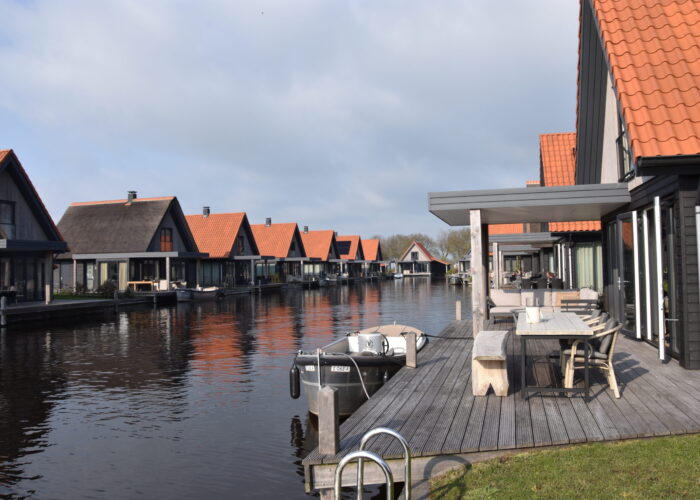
x=472, y=436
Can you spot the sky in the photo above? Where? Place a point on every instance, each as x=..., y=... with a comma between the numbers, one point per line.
x=334, y=114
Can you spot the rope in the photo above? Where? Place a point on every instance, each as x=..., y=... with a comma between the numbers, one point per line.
x=359, y=373
x=446, y=338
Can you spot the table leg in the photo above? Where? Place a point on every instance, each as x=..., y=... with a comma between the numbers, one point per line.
x=586, y=353
x=523, y=355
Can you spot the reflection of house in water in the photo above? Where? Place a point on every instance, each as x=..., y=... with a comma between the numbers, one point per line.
x=33, y=377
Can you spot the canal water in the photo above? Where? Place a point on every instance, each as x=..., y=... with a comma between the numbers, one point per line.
x=186, y=401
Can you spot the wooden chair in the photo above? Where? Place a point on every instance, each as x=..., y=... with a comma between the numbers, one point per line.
x=596, y=322
x=602, y=347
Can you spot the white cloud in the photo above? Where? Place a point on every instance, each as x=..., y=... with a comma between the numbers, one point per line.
x=334, y=114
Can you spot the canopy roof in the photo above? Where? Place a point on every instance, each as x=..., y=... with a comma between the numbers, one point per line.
x=581, y=202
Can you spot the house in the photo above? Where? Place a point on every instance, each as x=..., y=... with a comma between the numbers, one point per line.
x=138, y=243
x=322, y=249
x=373, y=256
x=637, y=171
x=282, y=252
x=418, y=261
x=28, y=237
x=582, y=240
x=351, y=251
x=228, y=240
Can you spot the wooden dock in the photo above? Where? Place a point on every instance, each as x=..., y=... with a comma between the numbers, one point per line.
x=432, y=406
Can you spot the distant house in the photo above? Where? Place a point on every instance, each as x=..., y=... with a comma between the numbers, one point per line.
x=418, y=261
x=322, y=250
x=133, y=242
x=282, y=251
x=28, y=237
x=352, y=253
x=229, y=241
x=373, y=255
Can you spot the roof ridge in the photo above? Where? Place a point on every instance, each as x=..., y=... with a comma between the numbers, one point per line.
x=124, y=201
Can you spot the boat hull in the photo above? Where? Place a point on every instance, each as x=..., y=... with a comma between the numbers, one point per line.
x=345, y=379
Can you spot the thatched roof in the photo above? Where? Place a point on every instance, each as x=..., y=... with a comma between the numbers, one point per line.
x=119, y=227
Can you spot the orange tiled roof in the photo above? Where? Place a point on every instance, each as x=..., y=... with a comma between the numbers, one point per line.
x=274, y=240
x=569, y=227
x=653, y=48
x=557, y=159
x=318, y=244
x=107, y=202
x=558, y=164
x=216, y=233
x=371, y=249
x=355, y=243
x=505, y=228
x=3, y=153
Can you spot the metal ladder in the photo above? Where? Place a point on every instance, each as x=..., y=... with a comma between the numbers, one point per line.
x=361, y=454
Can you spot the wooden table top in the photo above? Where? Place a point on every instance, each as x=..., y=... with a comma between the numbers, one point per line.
x=554, y=324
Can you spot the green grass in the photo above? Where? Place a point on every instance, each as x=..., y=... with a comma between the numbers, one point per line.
x=667, y=467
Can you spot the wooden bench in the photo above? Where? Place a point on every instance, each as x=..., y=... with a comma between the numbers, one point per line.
x=489, y=363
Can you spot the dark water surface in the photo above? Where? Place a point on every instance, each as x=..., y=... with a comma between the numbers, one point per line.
x=187, y=401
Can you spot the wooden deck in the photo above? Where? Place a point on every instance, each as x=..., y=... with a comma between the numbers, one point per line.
x=433, y=408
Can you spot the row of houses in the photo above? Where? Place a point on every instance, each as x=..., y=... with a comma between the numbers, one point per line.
x=150, y=243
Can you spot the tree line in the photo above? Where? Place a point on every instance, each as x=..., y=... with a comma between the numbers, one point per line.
x=449, y=245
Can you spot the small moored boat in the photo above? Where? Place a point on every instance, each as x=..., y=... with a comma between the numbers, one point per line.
x=356, y=365
x=191, y=294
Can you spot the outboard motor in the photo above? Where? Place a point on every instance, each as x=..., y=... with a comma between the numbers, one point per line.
x=294, y=382
x=371, y=343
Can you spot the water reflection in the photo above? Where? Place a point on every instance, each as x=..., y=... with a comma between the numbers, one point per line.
x=188, y=400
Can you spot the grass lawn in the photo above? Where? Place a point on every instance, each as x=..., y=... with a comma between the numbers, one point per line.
x=667, y=467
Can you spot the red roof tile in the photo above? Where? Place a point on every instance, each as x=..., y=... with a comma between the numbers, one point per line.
x=569, y=227
x=216, y=233
x=318, y=244
x=274, y=240
x=505, y=228
x=371, y=249
x=557, y=159
x=355, y=245
x=653, y=48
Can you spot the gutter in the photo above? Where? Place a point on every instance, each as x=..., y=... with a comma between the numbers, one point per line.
x=667, y=165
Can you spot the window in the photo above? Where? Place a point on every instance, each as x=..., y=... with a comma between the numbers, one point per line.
x=624, y=153
x=414, y=255
x=7, y=218
x=166, y=239
x=241, y=245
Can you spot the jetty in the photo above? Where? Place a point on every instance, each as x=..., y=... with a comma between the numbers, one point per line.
x=432, y=406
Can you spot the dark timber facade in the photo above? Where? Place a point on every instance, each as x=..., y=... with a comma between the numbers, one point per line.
x=28, y=237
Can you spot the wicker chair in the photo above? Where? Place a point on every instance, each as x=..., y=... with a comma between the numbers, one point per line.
x=602, y=347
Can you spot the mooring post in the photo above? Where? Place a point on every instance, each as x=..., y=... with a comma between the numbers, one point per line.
x=3, y=306
x=328, y=430
x=411, y=352
x=48, y=296
x=458, y=310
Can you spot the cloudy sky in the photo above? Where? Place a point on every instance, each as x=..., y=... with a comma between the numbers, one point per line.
x=334, y=114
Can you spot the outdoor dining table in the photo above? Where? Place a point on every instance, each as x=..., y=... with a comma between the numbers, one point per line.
x=553, y=325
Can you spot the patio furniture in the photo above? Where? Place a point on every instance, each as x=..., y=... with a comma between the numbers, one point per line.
x=557, y=283
x=489, y=363
x=505, y=303
x=526, y=283
x=541, y=283
x=554, y=325
x=601, y=355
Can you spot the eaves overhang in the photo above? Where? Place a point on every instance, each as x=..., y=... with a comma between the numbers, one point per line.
x=582, y=202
